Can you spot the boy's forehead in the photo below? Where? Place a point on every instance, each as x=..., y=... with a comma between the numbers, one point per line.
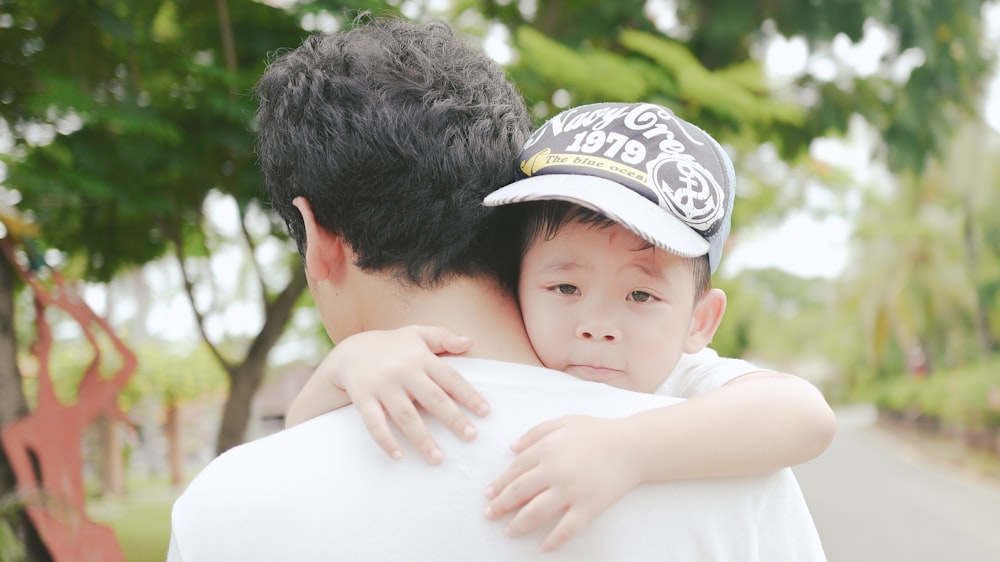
x=573, y=244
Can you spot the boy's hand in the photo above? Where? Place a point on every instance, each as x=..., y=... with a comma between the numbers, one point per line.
x=381, y=382
x=571, y=468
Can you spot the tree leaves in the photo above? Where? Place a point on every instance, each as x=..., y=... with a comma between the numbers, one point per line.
x=161, y=119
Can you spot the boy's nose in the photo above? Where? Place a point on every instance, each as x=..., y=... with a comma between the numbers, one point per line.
x=597, y=331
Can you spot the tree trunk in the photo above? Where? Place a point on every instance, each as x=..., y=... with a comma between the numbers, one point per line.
x=112, y=466
x=245, y=378
x=175, y=452
x=983, y=332
x=13, y=406
x=12, y=402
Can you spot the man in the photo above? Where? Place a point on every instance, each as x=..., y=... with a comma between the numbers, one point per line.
x=377, y=146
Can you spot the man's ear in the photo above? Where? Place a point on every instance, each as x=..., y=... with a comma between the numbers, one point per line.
x=708, y=312
x=324, y=250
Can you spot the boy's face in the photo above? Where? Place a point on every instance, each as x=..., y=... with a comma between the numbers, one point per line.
x=601, y=309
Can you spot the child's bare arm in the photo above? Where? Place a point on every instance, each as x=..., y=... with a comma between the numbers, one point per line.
x=320, y=394
x=389, y=373
x=755, y=423
x=575, y=467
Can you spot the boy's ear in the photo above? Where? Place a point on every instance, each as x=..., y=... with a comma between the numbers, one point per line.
x=324, y=250
x=708, y=312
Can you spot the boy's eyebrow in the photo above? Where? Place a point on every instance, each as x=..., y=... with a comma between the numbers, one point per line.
x=642, y=265
x=561, y=264
x=654, y=273
x=569, y=264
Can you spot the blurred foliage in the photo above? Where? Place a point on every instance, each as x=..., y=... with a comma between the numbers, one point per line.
x=925, y=273
x=11, y=548
x=773, y=314
x=171, y=372
x=967, y=398
x=147, y=110
x=920, y=294
x=143, y=114
x=706, y=64
x=655, y=69
x=125, y=116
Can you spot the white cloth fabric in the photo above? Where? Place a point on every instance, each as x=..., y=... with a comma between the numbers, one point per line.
x=698, y=373
x=323, y=491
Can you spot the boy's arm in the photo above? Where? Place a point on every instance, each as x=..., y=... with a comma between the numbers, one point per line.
x=573, y=468
x=755, y=423
x=320, y=394
x=389, y=373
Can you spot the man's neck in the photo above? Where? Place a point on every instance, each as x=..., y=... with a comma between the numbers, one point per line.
x=477, y=308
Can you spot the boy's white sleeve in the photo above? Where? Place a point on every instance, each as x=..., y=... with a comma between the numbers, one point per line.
x=698, y=373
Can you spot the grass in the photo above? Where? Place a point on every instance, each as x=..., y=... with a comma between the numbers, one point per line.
x=141, y=520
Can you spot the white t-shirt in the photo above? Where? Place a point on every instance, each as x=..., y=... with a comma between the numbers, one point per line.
x=698, y=373
x=323, y=491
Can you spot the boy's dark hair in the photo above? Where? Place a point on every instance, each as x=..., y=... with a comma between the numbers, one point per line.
x=544, y=219
x=394, y=132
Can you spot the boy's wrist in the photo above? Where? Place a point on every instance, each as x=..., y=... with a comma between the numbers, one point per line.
x=634, y=445
x=330, y=369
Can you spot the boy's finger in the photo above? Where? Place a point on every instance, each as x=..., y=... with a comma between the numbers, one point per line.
x=460, y=389
x=442, y=340
x=373, y=417
x=540, y=509
x=535, y=434
x=516, y=494
x=440, y=405
x=568, y=527
x=516, y=469
x=404, y=414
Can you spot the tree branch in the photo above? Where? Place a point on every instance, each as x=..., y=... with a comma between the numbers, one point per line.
x=175, y=235
x=226, y=34
x=253, y=257
x=276, y=316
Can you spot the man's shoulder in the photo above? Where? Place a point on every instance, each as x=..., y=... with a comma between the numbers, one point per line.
x=287, y=489
x=278, y=455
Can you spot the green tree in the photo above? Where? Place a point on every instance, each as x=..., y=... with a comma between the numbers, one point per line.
x=705, y=60
x=923, y=274
x=707, y=64
x=970, y=174
x=125, y=115
x=172, y=374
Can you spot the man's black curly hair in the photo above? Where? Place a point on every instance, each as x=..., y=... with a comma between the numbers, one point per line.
x=394, y=132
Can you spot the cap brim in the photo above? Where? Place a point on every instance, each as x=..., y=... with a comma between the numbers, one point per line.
x=617, y=202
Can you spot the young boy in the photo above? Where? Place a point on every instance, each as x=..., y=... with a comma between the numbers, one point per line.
x=625, y=209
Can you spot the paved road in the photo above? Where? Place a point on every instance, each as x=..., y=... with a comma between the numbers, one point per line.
x=875, y=500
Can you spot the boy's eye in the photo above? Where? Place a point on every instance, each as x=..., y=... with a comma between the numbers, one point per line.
x=567, y=289
x=640, y=296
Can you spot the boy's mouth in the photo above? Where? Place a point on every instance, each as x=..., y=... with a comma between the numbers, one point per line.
x=592, y=372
